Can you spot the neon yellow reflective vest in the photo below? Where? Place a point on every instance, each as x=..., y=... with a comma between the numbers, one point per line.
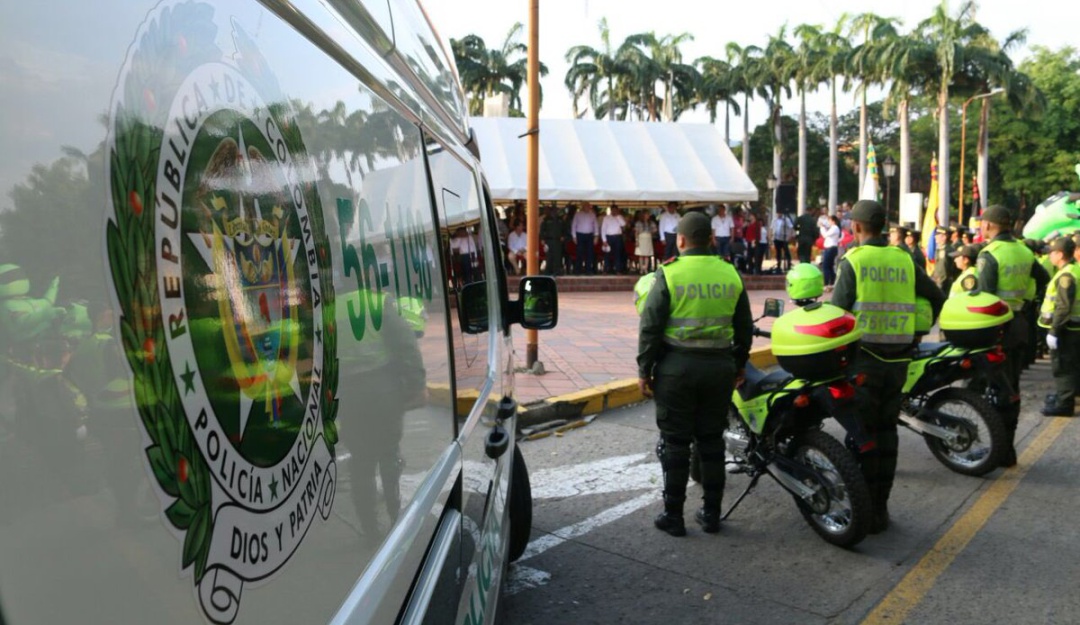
x=704, y=290
x=1014, y=261
x=884, y=293
x=958, y=287
x=1046, y=314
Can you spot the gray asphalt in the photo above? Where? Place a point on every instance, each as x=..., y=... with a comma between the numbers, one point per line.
x=768, y=566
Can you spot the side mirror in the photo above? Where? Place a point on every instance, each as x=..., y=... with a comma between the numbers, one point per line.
x=773, y=307
x=537, y=307
x=472, y=308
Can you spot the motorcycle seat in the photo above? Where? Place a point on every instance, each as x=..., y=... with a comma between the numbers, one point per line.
x=758, y=381
x=926, y=350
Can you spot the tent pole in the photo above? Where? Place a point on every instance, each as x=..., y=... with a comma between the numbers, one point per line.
x=532, y=206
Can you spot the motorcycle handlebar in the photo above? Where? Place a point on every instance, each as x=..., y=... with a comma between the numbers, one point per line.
x=759, y=332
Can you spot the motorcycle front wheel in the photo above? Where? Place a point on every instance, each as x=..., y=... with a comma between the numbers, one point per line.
x=980, y=441
x=840, y=510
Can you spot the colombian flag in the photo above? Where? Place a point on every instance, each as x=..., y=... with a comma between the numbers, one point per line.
x=930, y=220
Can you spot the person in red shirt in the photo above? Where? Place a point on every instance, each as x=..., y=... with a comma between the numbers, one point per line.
x=752, y=234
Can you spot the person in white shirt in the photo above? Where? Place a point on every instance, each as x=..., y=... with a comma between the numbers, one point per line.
x=669, y=221
x=584, y=227
x=464, y=253
x=722, y=225
x=611, y=231
x=517, y=243
x=831, y=236
x=783, y=231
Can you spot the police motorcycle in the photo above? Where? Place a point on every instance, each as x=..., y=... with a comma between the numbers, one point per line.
x=961, y=426
x=775, y=424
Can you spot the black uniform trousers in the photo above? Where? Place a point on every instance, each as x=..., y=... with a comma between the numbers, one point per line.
x=879, y=400
x=1015, y=344
x=554, y=264
x=1065, y=366
x=693, y=396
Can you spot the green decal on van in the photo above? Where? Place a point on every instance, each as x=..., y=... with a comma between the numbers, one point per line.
x=222, y=274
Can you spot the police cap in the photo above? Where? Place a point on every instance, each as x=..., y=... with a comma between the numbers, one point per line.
x=999, y=215
x=695, y=227
x=869, y=212
x=1063, y=244
x=941, y=230
x=970, y=251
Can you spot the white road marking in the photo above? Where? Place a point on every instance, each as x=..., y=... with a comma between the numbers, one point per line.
x=609, y=475
x=542, y=544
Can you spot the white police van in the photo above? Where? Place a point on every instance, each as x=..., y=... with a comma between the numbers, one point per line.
x=255, y=357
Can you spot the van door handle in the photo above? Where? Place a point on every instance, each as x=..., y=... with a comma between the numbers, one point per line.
x=497, y=442
x=498, y=439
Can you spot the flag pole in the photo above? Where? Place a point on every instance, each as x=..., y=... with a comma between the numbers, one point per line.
x=532, y=206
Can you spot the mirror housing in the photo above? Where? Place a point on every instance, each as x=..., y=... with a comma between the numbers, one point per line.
x=537, y=306
x=472, y=306
x=773, y=307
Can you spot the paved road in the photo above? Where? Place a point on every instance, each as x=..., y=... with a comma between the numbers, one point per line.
x=1000, y=549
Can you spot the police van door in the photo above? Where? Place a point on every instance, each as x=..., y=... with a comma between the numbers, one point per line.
x=475, y=259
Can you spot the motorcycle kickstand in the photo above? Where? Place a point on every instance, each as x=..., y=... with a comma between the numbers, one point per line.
x=753, y=482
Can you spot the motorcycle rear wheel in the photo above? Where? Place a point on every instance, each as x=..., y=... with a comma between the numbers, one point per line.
x=840, y=512
x=979, y=451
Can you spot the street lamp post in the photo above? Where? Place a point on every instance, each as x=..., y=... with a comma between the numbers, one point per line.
x=963, y=140
x=889, y=165
x=770, y=182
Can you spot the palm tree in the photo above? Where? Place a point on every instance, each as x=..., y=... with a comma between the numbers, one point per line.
x=775, y=75
x=911, y=64
x=953, y=38
x=744, y=80
x=989, y=68
x=717, y=80
x=485, y=72
x=872, y=28
x=595, y=71
x=667, y=61
x=811, y=67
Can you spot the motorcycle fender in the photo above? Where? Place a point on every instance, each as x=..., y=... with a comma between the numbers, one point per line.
x=844, y=411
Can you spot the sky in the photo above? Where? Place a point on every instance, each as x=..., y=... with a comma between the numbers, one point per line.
x=565, y=23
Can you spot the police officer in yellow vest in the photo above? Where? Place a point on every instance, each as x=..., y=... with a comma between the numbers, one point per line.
x=694, y=340
x=964, y=259
x=880, y=283
x=1061, y=317
x=1006, y=268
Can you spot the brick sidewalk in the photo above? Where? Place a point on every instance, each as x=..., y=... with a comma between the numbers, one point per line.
x=594, y=343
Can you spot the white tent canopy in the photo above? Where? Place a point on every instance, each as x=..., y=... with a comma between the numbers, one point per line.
x=608, y=161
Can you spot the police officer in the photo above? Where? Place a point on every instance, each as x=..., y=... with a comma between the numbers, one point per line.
x=911, y=240
x=1006, y=266
x=694, y=340
x=945, y=270
x=553, y=235
x=1061, y=318
x=964, y=260
x=880, y=283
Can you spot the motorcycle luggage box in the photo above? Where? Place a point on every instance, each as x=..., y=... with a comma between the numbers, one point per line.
x=815, y=343
x=974, y=320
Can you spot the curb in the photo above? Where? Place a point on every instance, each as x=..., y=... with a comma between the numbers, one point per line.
x=608, y=396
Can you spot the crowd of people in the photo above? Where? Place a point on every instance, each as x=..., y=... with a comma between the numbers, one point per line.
x=584, y=240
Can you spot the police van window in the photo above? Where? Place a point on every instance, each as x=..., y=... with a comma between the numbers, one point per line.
x=391, y=305
x=469, y=260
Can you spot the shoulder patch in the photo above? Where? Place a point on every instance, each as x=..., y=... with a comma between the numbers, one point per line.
x=969, y=283
x=1066, y=280
x=980, y=263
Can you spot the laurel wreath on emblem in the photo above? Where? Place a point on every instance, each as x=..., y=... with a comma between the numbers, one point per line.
x=162, y=57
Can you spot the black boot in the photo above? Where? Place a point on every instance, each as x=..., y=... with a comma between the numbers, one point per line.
x=1058, y=408
x=671, y=519
x=708, y=516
